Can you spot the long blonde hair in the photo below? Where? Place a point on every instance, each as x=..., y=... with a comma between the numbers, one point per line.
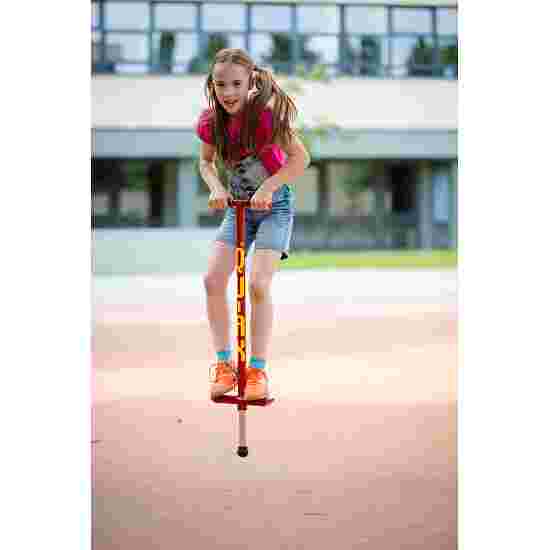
x=284, y=109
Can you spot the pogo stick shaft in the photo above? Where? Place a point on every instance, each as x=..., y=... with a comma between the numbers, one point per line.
x=241, y=302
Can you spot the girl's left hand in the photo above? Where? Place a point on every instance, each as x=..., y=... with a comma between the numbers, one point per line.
x=262, y=199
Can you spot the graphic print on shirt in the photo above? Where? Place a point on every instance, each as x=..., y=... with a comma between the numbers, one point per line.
x=246, y=177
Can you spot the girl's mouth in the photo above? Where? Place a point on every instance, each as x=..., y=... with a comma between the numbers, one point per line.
x=230, y=104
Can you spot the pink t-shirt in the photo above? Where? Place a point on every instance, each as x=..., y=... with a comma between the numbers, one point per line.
x=271, y=155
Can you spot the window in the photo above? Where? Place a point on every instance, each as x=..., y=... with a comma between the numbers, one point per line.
x=161, y=36
x=323, y=49
x=411, y=20
x=128, y=193
x=237, y=41
x=271, y=18
x=447, y=21
x=325, y=19
x=175, y=17
x=126, y=16
x=126, y=47
x=412, y=56
x=368, y=20
x=224, y=18
x=260, y=47
x=448, y=48
x=174, y=51
x=366, y=55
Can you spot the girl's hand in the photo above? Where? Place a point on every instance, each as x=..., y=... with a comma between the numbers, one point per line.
x=262, y=199
x=218, y=199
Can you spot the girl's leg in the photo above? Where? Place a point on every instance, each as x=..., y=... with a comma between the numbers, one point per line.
x=264, y=266
x=220, y=266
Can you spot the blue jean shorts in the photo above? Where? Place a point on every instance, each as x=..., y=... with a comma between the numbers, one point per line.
x=268, y=229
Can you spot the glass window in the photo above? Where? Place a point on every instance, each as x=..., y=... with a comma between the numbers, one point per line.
x=126, y=16
x=134, y=202
x=224, y=18
x=412, y=56
x=95, y=14
x=271, y=18
x=237, y=41
x=126, y=47
x=318, y=19
x=412, y=20
x=448, y=48
x=366, y=55
x=321, y=49
x=368, y=20
x=260, y=47
x=100, y=204
x=178, y=16
x=214, y=42
x=447, y=21
x=271, y=49
x=171, y=49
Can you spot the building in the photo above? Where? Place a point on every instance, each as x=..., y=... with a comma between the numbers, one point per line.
x=393, y=88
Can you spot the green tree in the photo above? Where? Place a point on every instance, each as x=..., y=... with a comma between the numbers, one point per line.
x=370, y=56
x=166, y=51
x=201, y=63
x=357, y=182
x=421, y=62
x=280, y=56
x=449, y=58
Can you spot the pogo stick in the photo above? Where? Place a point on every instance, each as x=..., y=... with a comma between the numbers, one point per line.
x=240, y=267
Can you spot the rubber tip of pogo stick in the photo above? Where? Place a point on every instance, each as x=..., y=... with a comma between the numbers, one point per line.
x=242, y=451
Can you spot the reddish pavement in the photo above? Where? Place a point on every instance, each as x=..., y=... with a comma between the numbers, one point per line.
x=358, y=451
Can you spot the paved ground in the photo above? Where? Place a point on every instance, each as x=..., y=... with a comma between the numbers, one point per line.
x=358, y=451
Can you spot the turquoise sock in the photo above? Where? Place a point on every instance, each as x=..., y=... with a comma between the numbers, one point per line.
x=256, y=363
x=224, y=355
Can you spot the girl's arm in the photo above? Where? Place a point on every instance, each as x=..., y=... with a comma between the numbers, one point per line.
x=209, y=172
x=298, y=161
x=207, y=167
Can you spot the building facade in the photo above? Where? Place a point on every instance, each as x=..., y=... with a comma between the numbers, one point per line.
x=383, y=176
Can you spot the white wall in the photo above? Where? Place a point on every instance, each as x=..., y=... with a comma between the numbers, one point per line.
x=355, y=103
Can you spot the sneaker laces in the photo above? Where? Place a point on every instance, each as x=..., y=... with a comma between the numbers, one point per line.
x=221, y=367
x=255, y=375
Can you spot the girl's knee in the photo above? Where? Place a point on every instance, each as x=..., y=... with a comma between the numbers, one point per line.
x=215, y=283
x=260, y=289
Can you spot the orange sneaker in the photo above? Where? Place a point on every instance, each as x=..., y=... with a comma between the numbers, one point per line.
x=224, y=379
x=256, y=385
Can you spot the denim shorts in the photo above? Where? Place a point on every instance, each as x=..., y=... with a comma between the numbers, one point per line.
x=268, y=229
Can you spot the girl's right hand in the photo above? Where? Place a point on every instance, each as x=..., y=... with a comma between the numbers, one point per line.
x=218, y=199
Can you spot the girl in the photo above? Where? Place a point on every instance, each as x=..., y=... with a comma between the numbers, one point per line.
x=241, y=123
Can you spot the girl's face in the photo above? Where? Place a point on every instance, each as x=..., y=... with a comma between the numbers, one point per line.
x=231, y=85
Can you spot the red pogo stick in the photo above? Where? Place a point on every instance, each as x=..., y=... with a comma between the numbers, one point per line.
x=240, y=267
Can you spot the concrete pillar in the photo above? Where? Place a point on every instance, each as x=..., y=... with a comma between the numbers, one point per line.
x=187, y=184
x=323, y=192
x=425, y=204
x=453, y=206
x=170, y=205
x=379, y=189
